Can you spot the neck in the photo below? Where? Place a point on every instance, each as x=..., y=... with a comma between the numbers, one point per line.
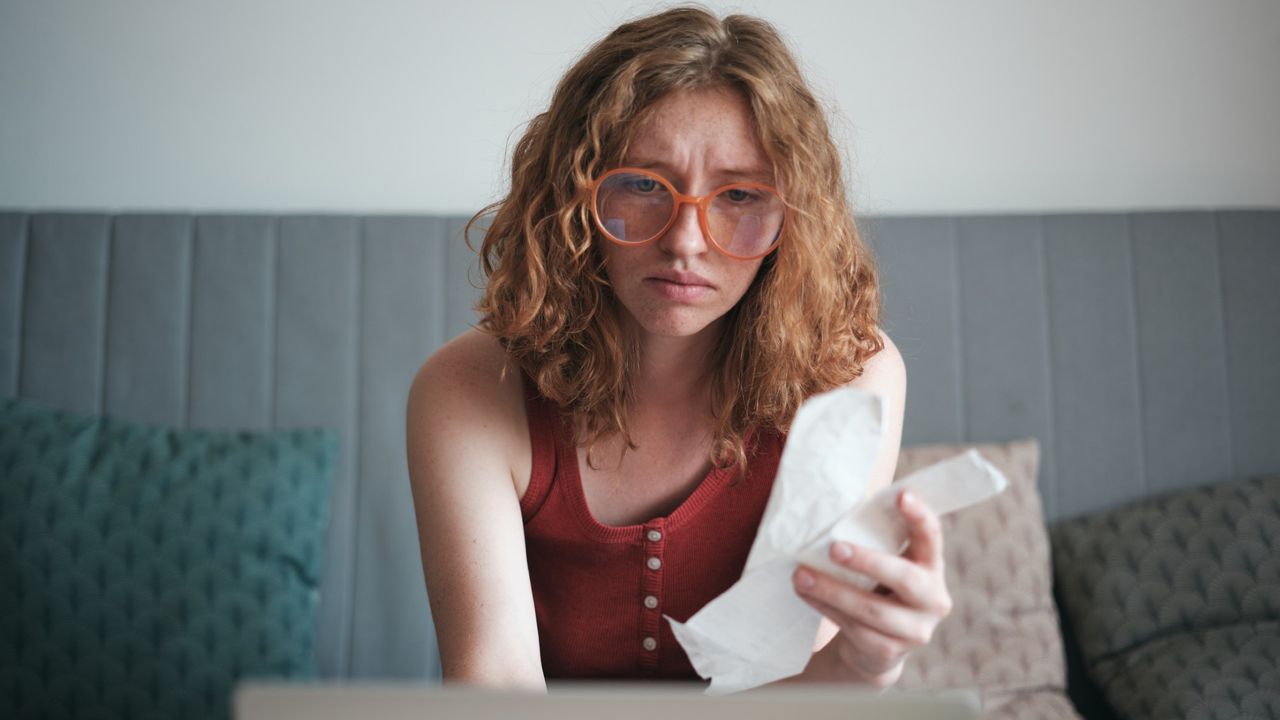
x=673, y=377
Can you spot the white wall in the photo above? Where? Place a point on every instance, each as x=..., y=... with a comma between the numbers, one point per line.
x=1000, y=105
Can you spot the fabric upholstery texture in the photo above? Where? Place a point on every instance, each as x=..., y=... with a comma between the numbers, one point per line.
x=234, y=319
x=1049, y=704
x=1002, y=635
x=143, y=570
x=1176, y=601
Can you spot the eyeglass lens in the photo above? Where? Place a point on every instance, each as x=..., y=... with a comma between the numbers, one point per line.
x=635, y=207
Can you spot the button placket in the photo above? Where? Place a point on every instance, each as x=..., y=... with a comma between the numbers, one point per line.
x=653, y=544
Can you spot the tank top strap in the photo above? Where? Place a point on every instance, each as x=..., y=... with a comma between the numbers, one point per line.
x=542, y=416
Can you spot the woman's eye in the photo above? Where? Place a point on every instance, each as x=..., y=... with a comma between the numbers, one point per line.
x=738, y=195
x=644, y=184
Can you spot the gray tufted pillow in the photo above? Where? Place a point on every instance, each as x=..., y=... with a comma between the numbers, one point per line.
x=1176, y=601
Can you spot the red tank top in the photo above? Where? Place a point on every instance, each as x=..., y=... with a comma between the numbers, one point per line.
x=599, y=591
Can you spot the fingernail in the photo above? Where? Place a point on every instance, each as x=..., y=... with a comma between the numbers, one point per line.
x=804, y=579
x=909, y=499
x=841, y=551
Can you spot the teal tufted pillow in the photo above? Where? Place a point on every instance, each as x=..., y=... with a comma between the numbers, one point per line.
x=144, y=570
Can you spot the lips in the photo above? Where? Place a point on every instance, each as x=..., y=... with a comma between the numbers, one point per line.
x=685, y=287
x=682, y=278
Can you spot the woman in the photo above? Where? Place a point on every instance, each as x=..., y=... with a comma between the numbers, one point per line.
x=673, y=272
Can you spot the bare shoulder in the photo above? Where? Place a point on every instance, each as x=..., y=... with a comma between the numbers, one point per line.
x=472, y=358
x=884, y=372
x=885, y=375
x=461, y=399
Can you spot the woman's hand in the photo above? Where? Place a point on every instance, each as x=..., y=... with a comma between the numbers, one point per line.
x=879, y=627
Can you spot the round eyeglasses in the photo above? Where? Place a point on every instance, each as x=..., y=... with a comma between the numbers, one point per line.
x=633, y=206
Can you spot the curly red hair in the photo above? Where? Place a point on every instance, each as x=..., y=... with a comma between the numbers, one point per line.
x=807, y=324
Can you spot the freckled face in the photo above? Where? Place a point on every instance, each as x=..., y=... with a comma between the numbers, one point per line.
x=680, y=285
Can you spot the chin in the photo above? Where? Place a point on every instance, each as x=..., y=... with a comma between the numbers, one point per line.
x=676, y=324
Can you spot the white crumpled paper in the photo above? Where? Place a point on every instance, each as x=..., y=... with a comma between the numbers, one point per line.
x=759, y=630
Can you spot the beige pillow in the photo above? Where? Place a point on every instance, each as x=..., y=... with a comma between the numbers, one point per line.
x=1002, y=635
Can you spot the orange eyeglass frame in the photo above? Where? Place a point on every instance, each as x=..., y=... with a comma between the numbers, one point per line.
x=700, y=202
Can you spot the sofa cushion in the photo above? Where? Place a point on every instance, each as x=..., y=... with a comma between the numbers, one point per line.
x=1049, y=704
x=1229, y=672
x=143, y=570
x=1176, y=600
x=1002, y=635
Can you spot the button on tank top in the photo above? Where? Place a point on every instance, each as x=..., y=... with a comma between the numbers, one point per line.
x=600, y=592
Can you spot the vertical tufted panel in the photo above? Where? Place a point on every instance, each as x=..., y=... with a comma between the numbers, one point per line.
x=916, y=258
x=1250, y=246
x=1004, y=335
x=1096, y=426
x=148, y=299
x=316, y=364
x=13, y=262
x=403, y=283
x=462, y=277
x=1181, y=350
x=64, y=305
x=232, y=317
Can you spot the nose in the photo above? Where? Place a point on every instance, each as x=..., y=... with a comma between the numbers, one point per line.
x=685, y=236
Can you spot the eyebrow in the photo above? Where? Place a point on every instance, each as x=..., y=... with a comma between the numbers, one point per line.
x=747, y=174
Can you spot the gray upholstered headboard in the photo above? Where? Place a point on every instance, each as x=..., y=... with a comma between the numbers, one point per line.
x=1142, y=349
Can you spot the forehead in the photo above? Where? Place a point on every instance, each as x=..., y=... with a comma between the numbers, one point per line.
x=708, y=129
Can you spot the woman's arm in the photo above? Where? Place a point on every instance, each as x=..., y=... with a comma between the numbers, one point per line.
x=464, y=430
x=885, y=375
